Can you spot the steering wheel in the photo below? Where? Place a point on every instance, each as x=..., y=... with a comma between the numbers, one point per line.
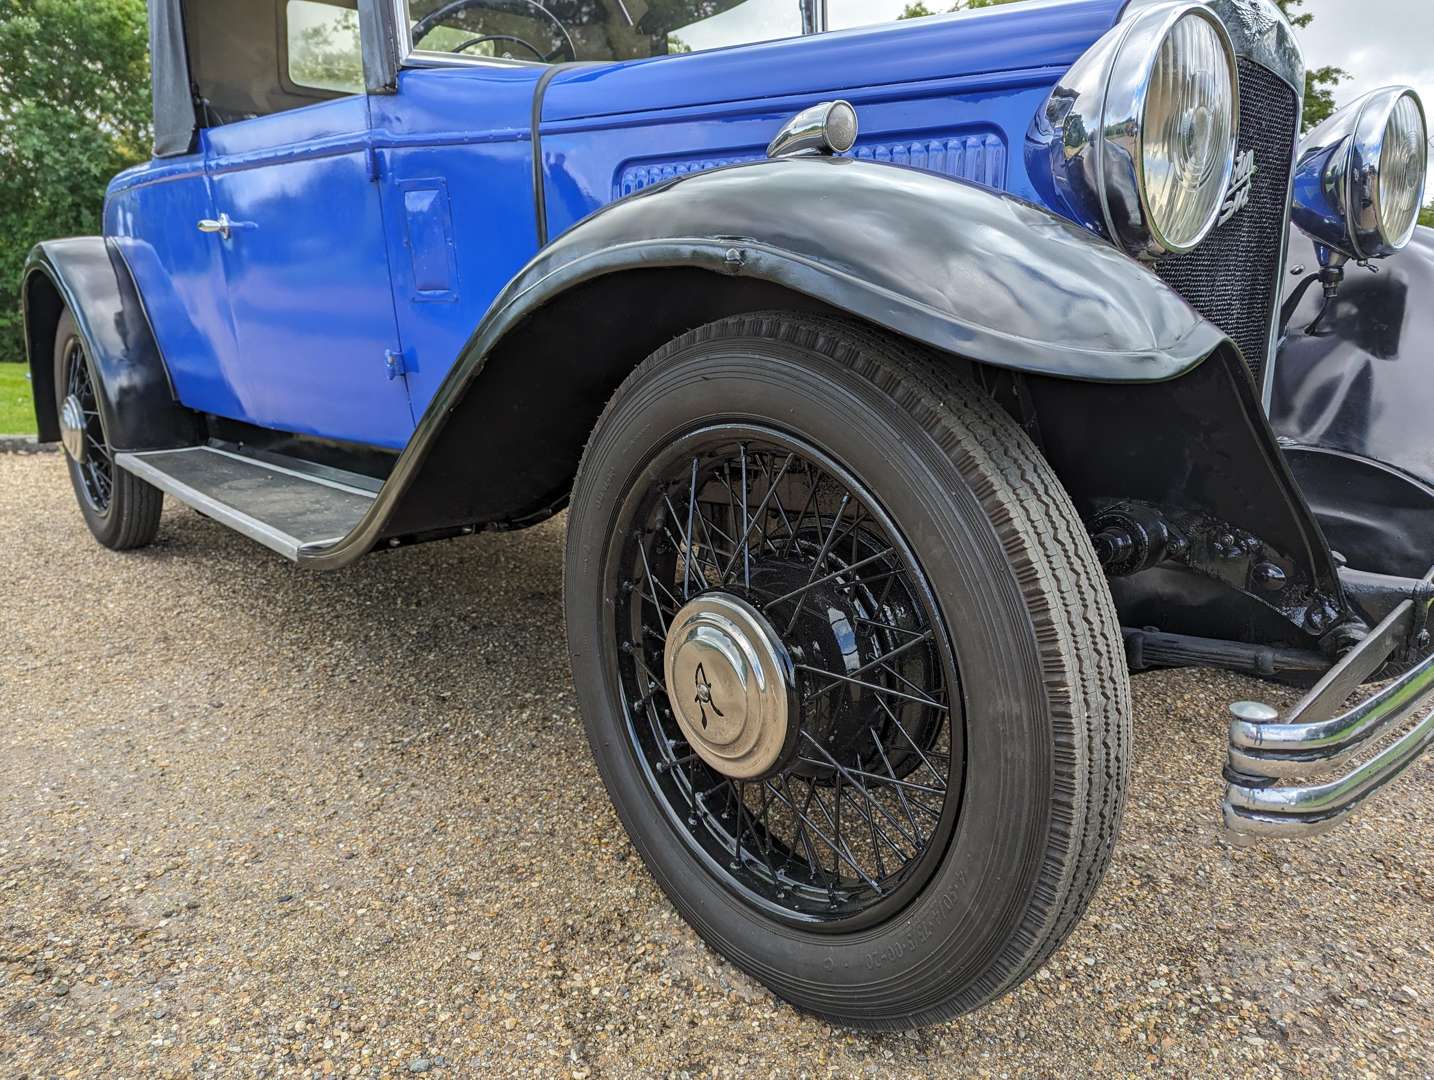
x=430, y=22
x=514, y=38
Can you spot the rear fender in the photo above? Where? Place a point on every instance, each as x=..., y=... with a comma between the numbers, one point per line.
x=138, y=408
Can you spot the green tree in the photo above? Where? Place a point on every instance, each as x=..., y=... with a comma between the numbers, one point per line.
x=1319, y=93
x=74, y=110
x=1426, y=216
x=1319, y=83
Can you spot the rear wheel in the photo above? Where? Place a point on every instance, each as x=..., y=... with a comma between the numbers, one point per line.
x=848, y=666
x=121, y=510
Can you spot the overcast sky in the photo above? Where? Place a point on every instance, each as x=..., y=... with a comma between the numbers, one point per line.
x=1379, y=42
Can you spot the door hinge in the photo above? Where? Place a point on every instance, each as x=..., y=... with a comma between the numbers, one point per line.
x=371, y=159
x=397, y=364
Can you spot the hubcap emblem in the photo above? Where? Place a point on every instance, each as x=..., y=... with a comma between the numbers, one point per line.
x=704, y=695
x=729, y=681
x=72, y=429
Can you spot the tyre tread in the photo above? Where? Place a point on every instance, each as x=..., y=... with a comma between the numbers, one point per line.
x=1065, y=595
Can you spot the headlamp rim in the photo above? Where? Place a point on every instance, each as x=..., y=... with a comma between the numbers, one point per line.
x=1369, y=144
x=1160, y=243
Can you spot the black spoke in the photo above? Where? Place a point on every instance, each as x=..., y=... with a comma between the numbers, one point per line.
x=846, y=774
x=856, y=795
x=814, y=582
x=94, y=469
x=652, y=581
x=875, y=687
x=881, y=661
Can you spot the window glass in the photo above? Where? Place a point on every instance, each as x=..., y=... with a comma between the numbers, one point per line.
x=552, y=31
x=324, y=49
x=845, y=14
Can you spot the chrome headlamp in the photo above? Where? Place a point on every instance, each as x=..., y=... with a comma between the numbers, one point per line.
x=1359, y=184
x=1138, y=139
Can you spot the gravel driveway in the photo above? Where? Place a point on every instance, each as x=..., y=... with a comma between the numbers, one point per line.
x=260, y=822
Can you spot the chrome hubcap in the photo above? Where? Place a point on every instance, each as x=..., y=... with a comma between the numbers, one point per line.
x=730, y=683
x=72, y=429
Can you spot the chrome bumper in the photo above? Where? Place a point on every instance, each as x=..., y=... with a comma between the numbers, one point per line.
x=1266, y=748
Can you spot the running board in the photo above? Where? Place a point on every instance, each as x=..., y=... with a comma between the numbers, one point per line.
x=282, y=508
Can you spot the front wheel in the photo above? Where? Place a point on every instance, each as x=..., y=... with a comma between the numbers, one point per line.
x=848, y=666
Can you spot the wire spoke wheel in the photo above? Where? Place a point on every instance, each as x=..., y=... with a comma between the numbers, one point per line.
x=835, y=813
x=120, y=510
x=848, y=666
x=93, y=463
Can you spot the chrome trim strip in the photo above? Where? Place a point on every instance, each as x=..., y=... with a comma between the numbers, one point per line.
x=253, y=528
x=1272, y=351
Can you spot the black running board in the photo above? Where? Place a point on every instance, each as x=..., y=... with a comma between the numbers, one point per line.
x=284, y=509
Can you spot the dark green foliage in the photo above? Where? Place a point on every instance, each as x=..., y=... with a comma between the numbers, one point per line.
x=74, y=110
x=1299, y=20
x=1426, y=216
x=1319, y=93
x=1320, y=82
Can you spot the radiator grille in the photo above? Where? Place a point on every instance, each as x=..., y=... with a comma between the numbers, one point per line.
x=1231, y=277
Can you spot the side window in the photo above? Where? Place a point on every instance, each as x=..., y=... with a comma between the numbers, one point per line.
x=323, y=46
x=552, y=31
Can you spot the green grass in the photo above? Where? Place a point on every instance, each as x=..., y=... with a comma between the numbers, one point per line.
x=17, y=413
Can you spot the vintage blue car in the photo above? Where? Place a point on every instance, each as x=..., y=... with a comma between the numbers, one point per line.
x=905, y=385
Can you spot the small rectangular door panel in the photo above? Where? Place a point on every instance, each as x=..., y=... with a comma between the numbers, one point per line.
x=428, y=237
x=308, y=275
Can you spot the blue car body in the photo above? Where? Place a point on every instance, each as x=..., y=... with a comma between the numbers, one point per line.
x=385, y=226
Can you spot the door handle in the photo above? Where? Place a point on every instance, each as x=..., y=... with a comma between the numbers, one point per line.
x=224, y=227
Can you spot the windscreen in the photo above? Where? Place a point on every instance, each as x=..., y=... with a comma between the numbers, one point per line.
x=553, y=31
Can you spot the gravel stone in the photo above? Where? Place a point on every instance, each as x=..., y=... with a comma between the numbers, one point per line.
x=195, y=730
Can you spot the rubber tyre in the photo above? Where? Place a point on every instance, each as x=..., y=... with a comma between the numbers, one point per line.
x=1035, y=634
x=132, y=518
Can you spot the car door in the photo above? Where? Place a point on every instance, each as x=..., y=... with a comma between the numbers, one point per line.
x=307, y=273
x=152, y=215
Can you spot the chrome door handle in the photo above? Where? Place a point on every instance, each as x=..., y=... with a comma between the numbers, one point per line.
x=224, y=227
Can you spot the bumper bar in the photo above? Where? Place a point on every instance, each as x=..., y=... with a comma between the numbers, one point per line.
x=1266, y=748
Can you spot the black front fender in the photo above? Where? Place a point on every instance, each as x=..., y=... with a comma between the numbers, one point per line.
x=137, y=405
x=972, y=273
x=961, y=268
